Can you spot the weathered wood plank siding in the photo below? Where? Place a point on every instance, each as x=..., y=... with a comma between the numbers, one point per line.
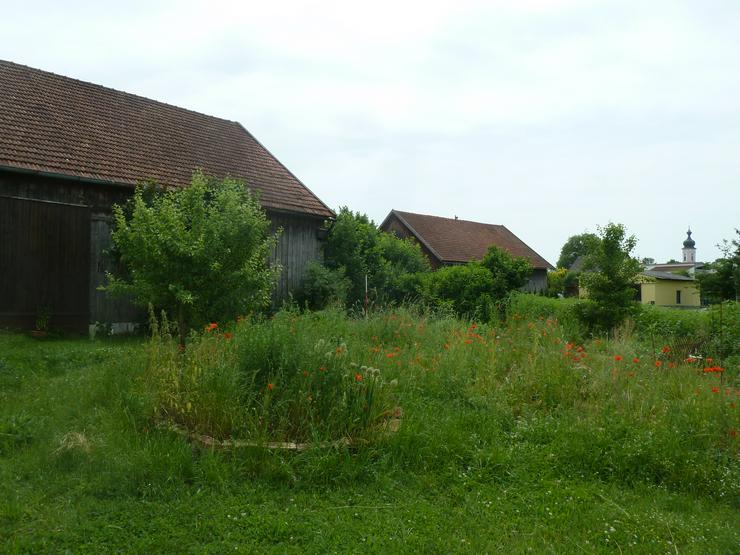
x=297, y=246
x=44, y=249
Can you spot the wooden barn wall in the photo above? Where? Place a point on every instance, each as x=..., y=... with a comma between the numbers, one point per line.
x=91, y=268
x=298, y=245
x=43, y=245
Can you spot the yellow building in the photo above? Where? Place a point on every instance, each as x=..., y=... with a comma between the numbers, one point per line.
x=667, y=289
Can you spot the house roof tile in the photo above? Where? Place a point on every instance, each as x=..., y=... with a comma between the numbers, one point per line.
x=58, y=125
x=459, y=241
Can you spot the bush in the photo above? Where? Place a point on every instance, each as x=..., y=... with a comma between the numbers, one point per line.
x=359, y=250
x=198, y=252
x=466, y=289
x=322, y=287
x=476, y=290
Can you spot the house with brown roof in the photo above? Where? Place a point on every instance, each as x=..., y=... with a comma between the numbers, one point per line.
x=70, y=149
x=447, y=241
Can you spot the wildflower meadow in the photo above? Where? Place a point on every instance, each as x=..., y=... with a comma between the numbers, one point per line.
x=404, y=430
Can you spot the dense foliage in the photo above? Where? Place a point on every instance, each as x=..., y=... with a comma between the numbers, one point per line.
x=355, y=248
x=198, y=252
x=720, y=280
x=476, y=289
x=575, y=246
x=609, y=278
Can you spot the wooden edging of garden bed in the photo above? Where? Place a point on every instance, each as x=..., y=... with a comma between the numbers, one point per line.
x=388, y=425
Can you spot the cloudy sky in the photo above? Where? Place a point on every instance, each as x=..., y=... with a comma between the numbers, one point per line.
x=548, y=116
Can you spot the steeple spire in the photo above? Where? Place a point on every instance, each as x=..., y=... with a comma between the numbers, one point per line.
x=689, y=248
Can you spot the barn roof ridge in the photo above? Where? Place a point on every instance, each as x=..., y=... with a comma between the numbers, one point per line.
x=54, y=124
x=455, y=240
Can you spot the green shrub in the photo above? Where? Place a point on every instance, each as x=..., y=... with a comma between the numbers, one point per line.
x=322, y=286
x=476, y=290
x=199, y=252
x=362, y=252
x=466, y=289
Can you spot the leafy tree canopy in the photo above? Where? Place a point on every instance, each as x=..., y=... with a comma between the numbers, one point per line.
x=575, y=246
x=356, y=248
x=722, y=280
x=199, y=252
x=609, y=277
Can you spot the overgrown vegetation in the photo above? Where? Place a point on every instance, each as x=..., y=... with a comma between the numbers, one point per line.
x=357, y=255
x=477, y=289
x=508, y=427
x=609, y=276
x=199, y=252
x=720, y=280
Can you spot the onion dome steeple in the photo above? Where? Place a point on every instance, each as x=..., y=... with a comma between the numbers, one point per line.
x=689, y=249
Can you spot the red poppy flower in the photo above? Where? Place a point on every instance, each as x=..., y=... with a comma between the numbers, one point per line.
x=666, y=349
x=618, y=357
x=715, y=389
x=358, y=377
x=635, y=360
x=658, y=364
x=212, y=326
x=270, y=386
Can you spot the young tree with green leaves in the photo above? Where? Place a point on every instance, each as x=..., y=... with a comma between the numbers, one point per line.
x=575, y=246
x=198, y=252
x=355, y=248
x=609, y=278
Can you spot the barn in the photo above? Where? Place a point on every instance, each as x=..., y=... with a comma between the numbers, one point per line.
x=69, y=150
x=448, y=241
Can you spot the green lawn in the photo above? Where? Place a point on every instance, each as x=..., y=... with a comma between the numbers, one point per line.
x=522, y=451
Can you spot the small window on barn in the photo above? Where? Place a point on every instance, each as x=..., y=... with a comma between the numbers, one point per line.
x=678, y=297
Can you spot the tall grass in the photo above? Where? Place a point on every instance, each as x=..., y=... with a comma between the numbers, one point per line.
x=609, y=409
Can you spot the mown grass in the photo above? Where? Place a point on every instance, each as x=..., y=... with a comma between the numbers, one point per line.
x=512, y=441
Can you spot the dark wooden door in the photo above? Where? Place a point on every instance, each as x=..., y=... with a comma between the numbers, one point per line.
x=44, y=263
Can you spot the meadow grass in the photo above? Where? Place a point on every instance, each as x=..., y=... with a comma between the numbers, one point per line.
x=515, y=438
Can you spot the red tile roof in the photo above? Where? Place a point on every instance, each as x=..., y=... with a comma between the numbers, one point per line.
x=58, y=125
x=456, y=241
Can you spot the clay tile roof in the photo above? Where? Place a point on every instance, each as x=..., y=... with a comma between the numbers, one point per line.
x=57, y=125
x=456, y=241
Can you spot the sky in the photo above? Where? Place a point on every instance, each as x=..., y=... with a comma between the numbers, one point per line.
x=551, y=117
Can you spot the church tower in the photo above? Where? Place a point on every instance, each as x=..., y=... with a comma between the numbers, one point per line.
x=689, y=250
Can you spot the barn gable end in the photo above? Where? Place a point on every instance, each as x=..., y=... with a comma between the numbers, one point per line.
x=69, y=150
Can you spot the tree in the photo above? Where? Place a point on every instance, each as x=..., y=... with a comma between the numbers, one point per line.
x=509, y=272
x=356, y=248
x=575, y=246
x=722, y=281
x=199, y=252
x=609, y=278
x=352, y=248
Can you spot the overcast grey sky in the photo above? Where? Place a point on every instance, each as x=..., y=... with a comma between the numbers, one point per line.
x=550, y=117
